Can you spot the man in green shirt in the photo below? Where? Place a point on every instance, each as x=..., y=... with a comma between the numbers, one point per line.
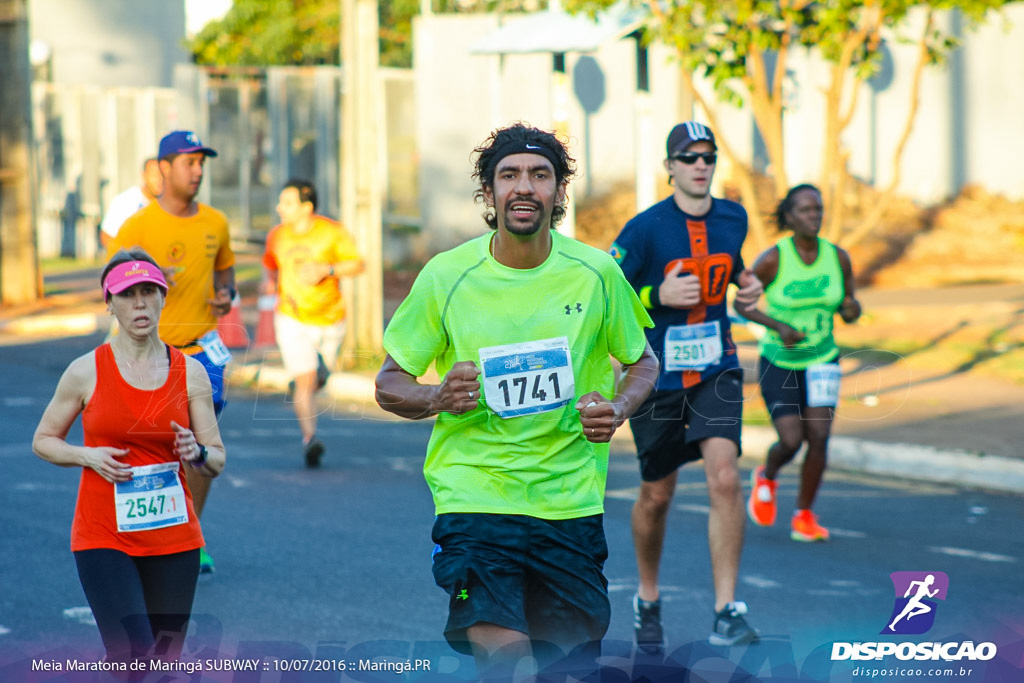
x=521, y=325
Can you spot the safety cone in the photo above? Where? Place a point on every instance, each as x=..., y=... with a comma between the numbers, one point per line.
x=231, y=328
x=265, y=325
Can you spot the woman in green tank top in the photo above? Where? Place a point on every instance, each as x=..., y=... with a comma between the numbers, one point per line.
x=807, y=280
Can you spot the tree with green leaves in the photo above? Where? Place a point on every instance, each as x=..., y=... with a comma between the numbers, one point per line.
x=743, y=49
x=261, y=33
x=306, y=32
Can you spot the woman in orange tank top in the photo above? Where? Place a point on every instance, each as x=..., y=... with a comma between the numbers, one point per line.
x=147, y=414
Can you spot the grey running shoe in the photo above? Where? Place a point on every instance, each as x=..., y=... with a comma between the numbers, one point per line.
x=650, y=638
x=730, y=628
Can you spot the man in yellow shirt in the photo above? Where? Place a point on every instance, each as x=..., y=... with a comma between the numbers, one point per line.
x=191, y=244
x=305, y=257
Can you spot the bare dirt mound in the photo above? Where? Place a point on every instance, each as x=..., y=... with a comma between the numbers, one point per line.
x=978, y=238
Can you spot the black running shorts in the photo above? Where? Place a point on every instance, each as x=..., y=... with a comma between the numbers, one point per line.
x=669, y=426
x=540, y=577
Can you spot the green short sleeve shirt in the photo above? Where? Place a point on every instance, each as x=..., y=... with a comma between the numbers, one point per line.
x=576, y=308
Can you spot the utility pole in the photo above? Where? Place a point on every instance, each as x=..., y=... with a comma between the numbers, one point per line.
x=19, y=270
x=362, y=130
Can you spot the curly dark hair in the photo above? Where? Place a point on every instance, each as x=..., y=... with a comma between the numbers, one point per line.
x=787, y=203
x=516, y=137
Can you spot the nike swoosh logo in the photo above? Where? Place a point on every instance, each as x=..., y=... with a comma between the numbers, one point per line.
x=532, y=147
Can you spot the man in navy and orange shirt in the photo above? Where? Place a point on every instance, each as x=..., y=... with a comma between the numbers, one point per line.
x=680, y=255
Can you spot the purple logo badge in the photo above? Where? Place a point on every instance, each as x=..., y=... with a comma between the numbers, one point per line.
x=916, y=592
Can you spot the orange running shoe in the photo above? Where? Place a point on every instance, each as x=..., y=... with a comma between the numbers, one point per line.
x=761, y=505
x=805, y=527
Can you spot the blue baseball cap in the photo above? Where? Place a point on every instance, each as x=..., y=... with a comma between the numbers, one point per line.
x=183, y=142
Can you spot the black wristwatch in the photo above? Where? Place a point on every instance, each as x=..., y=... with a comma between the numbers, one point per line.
x=201, y=460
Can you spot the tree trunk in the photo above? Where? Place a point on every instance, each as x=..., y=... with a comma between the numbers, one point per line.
x=361, y=190
x=744, y=178
x=19, y=268
x=868, y=224
x=766, y=104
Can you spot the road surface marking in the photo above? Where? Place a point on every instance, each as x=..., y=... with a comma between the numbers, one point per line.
x=847, y=533
x=82, y=615
x=36, y=486
x=760, y=582
x=972, y=554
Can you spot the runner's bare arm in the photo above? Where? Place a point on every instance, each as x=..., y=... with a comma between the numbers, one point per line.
x=401, y=393
x=50, y=440
x=679, y=289
x=348, y=267
x=766, y=268
x=223, y=287
x=203, y=421
x=601, y=417
x=269, y=283
x=850, y=309
x=750, y=290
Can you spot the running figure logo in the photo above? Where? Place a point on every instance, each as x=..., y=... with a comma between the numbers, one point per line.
x=914, y=612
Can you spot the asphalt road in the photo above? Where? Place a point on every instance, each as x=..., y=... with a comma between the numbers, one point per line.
x=334, y=565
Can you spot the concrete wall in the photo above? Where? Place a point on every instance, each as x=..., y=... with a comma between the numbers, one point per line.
x=111, y=42
x=461, y=97
x=966, y=130
x=991, y=90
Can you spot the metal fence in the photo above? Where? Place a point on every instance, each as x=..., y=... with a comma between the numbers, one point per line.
x=90, y=143
x=267, y=125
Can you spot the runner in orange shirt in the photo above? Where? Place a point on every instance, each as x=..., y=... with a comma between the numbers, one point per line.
x=305, y=258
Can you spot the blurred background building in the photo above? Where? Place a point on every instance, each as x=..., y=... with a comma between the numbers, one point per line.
x=112, y=76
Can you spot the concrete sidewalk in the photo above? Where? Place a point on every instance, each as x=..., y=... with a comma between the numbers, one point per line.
x=955, y=430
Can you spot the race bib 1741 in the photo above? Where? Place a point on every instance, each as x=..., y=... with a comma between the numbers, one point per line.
x=526, y=378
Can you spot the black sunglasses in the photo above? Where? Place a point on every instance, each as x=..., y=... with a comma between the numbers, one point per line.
x=690, y=158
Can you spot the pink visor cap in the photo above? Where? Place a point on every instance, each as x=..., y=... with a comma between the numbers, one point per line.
x=124, y=275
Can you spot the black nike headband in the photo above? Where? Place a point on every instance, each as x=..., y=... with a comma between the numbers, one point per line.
x=523, y=147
